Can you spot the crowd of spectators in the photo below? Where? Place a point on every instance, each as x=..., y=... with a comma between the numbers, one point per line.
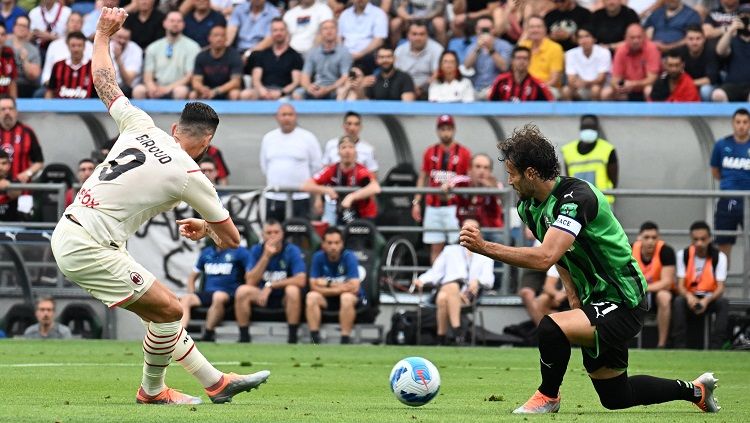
x=431, y=50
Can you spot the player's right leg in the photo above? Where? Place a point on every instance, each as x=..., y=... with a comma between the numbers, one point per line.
x=314, y=302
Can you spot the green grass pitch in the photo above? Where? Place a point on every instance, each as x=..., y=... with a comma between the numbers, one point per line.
x=96, y=381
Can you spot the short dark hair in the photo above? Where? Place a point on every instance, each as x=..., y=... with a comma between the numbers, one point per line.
x=207, y=159
x=527, y=148
x=741, y=111
x=271, y=222
x=418, y=22
x=385, y=46
x=351, y=113
x=700, y=224
x=4, y=155
x=675, y=54
x=78, y=35
x=694, y=28
x=516, y=49
x=648, y=226
x=278, y=19
x=591, y=117
x=198, y=119
x=86, y=160
x=333, y=230
x=588, y=29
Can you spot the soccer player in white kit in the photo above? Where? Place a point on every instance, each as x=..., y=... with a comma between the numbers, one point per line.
x=146, y=173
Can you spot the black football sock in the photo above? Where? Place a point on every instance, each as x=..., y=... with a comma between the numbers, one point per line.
x=244, y=333
x=624, y=392
x=315, y=336
x=292, y=338
x=554, y=354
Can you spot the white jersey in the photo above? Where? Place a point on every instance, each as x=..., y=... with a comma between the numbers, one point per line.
x=146, y=173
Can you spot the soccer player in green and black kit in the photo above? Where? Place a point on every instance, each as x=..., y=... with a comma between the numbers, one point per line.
x=605, y=286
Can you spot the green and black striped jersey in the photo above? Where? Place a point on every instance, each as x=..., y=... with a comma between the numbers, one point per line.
x=600, y=261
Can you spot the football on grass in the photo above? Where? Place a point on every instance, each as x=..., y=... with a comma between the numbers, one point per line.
x=415, y=381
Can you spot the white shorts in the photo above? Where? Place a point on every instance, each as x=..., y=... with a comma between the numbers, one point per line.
x=443, y=218
x=109, y=274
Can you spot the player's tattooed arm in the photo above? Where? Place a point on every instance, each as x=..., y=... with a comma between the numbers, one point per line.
x=106, y=86
x=103, y=71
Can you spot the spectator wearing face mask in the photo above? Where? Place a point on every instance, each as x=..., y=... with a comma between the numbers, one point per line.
x=591, y=157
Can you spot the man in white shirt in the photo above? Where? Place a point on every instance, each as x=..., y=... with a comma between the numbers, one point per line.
x=363, y=27
x=289, y=155
x=459, y=275
x=587, y=67
x=58, y=49
x=303, y=21
x=48, y=22
x=146, y=172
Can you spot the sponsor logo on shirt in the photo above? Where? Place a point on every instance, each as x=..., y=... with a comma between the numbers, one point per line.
x=218, y=268
x=737, y=163
x=273, y=276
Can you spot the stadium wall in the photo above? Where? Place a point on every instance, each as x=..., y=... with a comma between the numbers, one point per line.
x=659, y=145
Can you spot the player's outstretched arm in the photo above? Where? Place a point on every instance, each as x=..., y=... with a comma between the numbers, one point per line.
x=102, y=70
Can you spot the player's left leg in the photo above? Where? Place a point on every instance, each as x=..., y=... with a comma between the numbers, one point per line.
x=347, y=315
x=215, y=314
x=293, y=310
x=607, y=361
x=663, y=315
x=452, y=293
x=165, y=338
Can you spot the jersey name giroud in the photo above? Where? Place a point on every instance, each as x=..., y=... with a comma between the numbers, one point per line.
x=151, y=147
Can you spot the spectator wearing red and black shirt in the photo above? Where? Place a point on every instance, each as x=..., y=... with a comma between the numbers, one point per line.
x=441, y=162
x=487, y=210
x=517, y=85
x=8, y=67
x=8, y=199
x=222, y=171
x=20, y=142
x=71, y=78
x=675, y=85
x=359, y=204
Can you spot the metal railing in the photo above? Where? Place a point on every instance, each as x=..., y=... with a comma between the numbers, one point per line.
x=507, y=195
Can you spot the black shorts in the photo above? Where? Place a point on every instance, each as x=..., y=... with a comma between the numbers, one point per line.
x=334, y=303
x=615, y=326
x=207, y=298
x=275, y=299
x=728, y=217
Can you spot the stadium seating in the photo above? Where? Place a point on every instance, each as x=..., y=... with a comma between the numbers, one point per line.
x=82, y=321
x=46, y=202
x=19, y=317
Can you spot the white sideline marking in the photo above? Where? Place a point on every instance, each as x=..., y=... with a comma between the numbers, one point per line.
x=232, y=363
x=218, y=363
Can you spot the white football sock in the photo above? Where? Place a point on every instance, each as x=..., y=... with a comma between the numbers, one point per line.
x=158, y=347
x=194, y=362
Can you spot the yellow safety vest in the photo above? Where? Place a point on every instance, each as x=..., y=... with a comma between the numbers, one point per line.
x=592, y=166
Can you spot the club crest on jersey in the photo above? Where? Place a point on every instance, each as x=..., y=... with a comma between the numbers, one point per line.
x=136, y=278
x=569, y=209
